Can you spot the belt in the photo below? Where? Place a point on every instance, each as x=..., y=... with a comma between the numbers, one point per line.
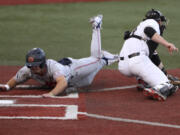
x=131, y=55
x=136, y=36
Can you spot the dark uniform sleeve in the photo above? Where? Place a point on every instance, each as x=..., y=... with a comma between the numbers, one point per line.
x=149, y=31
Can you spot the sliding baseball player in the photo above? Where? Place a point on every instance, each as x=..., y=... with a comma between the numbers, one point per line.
x=68, y=72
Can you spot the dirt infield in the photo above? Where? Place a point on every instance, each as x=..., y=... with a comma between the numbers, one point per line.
x=112, y=105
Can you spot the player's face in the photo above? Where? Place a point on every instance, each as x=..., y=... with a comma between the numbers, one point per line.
x=163, y=23
x=36, y=70
x=160, y=23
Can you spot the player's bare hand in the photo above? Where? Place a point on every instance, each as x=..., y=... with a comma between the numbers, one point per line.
x=3, y=88
x=47, y=95
x=171, y=47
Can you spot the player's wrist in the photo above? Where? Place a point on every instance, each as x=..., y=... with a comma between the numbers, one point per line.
x=7, y=87
x=51, y=94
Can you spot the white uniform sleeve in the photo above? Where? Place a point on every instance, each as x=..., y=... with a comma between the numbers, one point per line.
x=22, y=75
x=147, y=23
x=58, y=73
x=153, y=24
x=57, y=70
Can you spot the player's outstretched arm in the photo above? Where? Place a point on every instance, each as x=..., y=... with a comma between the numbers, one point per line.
x=159, y=39
x=9, y=85
x=59, y=88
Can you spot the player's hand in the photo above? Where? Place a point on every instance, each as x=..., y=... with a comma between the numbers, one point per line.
x=171, y=47
x=47, y=95
x=3, y=88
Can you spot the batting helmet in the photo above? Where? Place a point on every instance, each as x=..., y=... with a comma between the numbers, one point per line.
x=35, y=57
x=156, y=15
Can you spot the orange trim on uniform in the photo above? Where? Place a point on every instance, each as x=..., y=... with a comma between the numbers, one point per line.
x=87, y=64
x=99, y=43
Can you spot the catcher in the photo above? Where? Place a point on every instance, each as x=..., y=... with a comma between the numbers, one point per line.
x=154, y=57
x=137, y=51
x=67, y=72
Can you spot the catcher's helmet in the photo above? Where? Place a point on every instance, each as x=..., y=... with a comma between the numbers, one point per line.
x=35, y=57
x=156, y=15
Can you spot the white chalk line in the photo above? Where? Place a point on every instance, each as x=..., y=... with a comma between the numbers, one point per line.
x=118, y=119
x=71, y=111
x=26, y=86
x=72, y=114
x=3, y=102
x=74, y=117
x=35, y=105
x=71, y=95
x=114, y=88
x=36, y=118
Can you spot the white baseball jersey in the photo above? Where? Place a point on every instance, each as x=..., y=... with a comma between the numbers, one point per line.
x=54, y=70
x=133, y=45
x=141, y=65
x=80, y=72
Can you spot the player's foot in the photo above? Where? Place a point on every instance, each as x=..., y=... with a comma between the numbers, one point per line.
x=109, y=57
x=150, y=92
x=96, y=21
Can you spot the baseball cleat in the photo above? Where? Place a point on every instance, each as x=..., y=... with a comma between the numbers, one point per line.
x=149, y=92
x=109, y=57
x=96, y=21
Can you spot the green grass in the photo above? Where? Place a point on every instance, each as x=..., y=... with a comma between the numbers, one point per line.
x=62, y=30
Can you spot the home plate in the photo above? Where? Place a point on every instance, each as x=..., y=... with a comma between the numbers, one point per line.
x=6, y=101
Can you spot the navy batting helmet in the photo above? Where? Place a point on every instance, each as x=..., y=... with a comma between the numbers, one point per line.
x=156, y=15
x=35, y=57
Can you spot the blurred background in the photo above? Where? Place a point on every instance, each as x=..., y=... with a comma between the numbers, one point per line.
x=63, y=30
